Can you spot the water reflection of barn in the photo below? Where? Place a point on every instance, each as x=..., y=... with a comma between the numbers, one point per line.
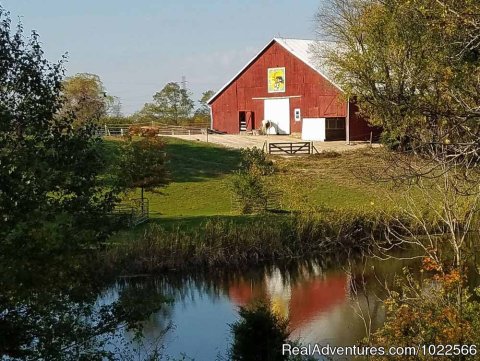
x=319, y=305
x=301, y=302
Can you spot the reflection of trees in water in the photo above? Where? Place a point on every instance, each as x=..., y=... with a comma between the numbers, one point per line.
x=370, y=279
x=53, y=299
x=380, y=274
x=186, y=287
x=159, y=322
x=376, y=273
x=52, y=311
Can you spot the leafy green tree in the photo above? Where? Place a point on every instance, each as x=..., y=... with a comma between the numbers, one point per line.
x=114, y=107
x=202, y=113
x=412, y=66
x=49, y=183
x=143, y=165
x=144, y=116
x=86, y=98
x=250, y=191
x=204, y=108
x=172, y=105
x=53, y=211
x=118, y=120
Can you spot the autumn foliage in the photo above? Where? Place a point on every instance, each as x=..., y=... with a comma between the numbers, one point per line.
x=435, y=310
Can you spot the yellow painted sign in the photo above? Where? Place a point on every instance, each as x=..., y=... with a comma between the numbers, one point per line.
x=276, y=80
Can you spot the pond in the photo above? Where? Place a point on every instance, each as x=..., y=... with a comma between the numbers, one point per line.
x=324, y=302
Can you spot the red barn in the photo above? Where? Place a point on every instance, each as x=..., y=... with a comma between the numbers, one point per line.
x=287, y=88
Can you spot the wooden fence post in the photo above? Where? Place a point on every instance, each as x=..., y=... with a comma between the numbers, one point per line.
x=371, y=138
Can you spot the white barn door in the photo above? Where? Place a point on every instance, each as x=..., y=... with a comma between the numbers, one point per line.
x=313, y=129
x=278, y=112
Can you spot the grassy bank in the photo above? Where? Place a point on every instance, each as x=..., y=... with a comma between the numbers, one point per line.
x=231, y=244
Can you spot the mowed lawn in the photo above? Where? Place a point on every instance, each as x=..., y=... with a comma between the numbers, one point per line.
x=333, y=181
x=201, y=172
x=199, y=180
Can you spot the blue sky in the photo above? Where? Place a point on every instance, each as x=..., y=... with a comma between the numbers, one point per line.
x=137, y=46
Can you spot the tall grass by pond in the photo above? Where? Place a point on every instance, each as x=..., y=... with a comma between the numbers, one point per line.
x=224, y=243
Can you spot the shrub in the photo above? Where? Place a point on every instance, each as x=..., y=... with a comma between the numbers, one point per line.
x=436, y=310
x=250, y=191
x=329, y=154
x=248, y=184
x=255, y=160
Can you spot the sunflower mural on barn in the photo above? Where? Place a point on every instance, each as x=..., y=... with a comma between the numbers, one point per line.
x=276, y=80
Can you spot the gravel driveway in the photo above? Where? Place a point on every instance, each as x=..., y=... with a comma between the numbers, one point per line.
x=249, y=141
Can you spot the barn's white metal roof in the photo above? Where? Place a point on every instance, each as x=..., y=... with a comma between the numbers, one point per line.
x=308, y=51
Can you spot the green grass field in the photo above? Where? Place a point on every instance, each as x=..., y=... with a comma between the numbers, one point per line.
x=200, y=173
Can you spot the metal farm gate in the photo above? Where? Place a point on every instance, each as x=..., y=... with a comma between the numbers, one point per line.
x=291, y=148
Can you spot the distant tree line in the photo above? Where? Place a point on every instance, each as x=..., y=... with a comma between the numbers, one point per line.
x=86, y=97
x=174, y=105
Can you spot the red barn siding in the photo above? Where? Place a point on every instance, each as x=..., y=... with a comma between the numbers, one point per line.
x=311, y=92
x=359, y=128
x=318, y=97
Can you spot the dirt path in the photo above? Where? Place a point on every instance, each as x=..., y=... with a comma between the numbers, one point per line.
x=249, y=141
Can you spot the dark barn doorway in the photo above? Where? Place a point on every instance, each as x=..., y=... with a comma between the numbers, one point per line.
x=246, y=120
x=242, y=120
x=335, y=129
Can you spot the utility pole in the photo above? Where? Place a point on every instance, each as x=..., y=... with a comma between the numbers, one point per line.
x=184, y=82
